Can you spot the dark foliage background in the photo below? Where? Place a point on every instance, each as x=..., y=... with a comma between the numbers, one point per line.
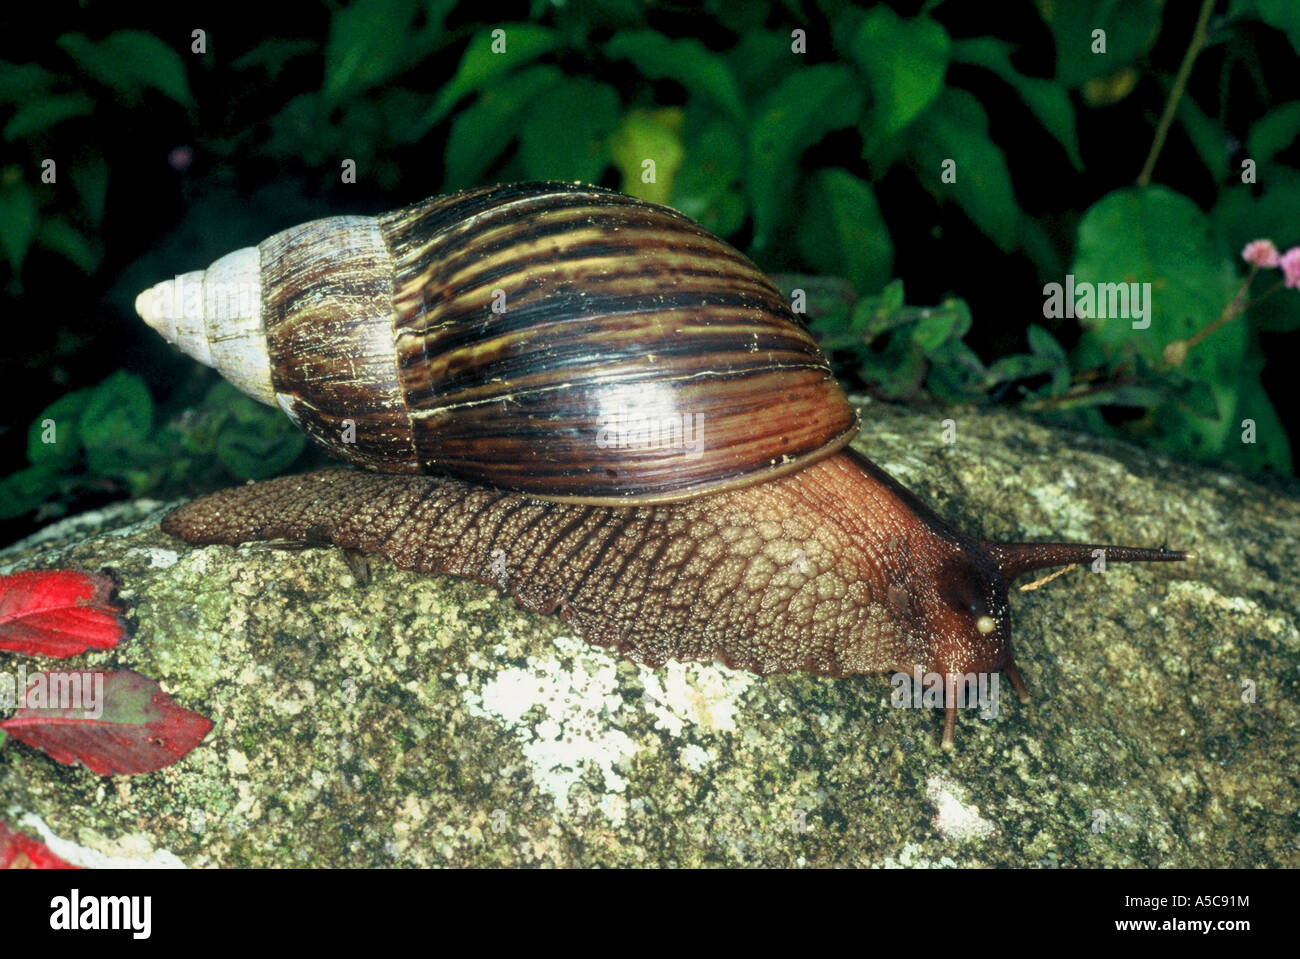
x=827, y=161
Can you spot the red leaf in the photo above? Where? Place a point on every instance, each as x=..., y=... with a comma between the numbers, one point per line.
x=59, y=612
x=23, y=852
x=140, y=728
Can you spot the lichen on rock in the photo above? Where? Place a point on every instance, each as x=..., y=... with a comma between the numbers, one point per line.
x=423, y=720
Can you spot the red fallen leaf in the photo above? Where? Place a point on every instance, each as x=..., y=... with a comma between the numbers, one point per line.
x=23, y=852
x=140, y=729
x=59, y=612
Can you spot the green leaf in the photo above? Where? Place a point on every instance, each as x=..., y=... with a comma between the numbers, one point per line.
x=949, y=321
x=484, y=129
x=727, y=214
x=687, y=61
x=1047, y=100
x=118, y=415
x=1240, y=217
x=47, y=112
x=905, y=62
x=956, y=129
x=1283, y=15
x=956, y=373
x=21, y=82
x=795, y=116
x=1140, y=397
x=1051, y=104
x=368, y=44
x=842, y=231
x=826, y=301
x=1158, y=237
x=58, y=422
x=876, y=315
x=648, y=135
x=564, y=135
x=25, y=490
x=1188, y=432
x=706, y=185
x=1195, y=395
x=1131, y=27
x=129, y=61
x=18, y=223
x=274, y=54
x=1042, y=343
x=257, y=441
x=63, y=238
x=897, y=371
x=1273, y=132
x=479, y=66
x=1018, y=366
x=251, y=440
x=1271, y=448
x=892, y=296
x=762, y=60
x=1209, y=138
x=137, y=466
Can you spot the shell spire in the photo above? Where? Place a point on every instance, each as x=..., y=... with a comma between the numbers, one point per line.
x=215, y=316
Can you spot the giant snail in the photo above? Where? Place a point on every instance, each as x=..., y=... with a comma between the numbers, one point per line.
x=481, y=354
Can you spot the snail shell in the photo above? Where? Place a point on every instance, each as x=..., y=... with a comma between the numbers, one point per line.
x=556, y=339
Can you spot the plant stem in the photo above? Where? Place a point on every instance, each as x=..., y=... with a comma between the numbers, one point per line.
x=1176, y=94
x=1236, y=306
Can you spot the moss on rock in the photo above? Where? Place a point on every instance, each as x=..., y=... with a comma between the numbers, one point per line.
x=424, y=721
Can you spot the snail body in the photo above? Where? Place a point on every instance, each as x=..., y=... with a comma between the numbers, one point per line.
x=773, y=549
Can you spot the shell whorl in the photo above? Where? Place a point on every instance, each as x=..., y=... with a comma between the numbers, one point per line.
x=302, y=321
x=215, y=316
x=556, y=339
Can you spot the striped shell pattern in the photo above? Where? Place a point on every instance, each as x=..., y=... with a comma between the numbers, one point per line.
x=561, y=340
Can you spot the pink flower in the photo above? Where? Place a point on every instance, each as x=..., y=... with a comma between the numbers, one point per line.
x=1290, y=264
x=1260, y=253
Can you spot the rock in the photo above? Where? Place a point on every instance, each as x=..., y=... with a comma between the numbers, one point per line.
x=424, y=721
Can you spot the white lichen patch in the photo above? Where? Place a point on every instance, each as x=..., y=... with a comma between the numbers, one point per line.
x=696, y=758
x=574, y=732
x=158, y=557
x=615, y=808
x=582, y=710
x=910, y=857
x=700, y=694
x=237, y=762
x=198, y=563
x=138, y=516
x=1205, y=593
x=956, y=819
x=132, y=851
